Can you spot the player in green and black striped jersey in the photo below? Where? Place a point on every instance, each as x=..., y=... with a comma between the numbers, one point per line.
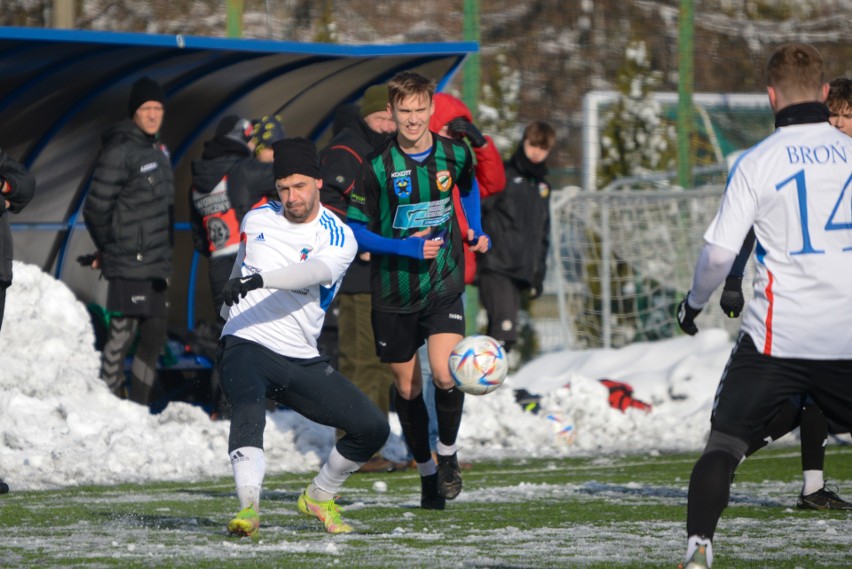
x=401, y=212
x=399, y=197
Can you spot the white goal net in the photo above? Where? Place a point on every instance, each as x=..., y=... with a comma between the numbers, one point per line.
x=621, y=262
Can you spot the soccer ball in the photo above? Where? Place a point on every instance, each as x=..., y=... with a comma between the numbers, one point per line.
x=478, y=365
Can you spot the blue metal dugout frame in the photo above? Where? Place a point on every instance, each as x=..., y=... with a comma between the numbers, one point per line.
x=62, y=88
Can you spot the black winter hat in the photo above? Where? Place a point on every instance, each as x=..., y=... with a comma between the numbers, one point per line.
x=143, y=90
x=236, y=128
x=295, y=156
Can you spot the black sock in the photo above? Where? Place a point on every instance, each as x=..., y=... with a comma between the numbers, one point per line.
x=414, y=420
x=449, y=404
x=813, y=431
x=709, y=491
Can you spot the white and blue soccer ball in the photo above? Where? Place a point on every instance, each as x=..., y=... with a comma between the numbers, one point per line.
x=478, y=365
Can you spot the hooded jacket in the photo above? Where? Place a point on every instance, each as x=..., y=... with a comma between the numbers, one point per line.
x=518, y=222
x=129, y=209
x=488, y=170
x=226, y=183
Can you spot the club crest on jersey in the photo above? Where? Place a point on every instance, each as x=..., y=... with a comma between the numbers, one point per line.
x=543, y=189
x=402, y=186
x=303, y=254
x=444, y=180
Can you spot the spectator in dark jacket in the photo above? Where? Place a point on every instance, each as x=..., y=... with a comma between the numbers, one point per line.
x=17, y=187
x=227, y=182
x=129, y=214
x=518, y=222
x=350, y=335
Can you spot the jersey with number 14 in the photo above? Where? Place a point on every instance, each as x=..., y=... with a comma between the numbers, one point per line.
x=795, y=187
x=397, y=197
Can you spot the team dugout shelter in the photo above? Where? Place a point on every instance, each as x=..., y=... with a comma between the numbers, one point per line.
x=61, y=89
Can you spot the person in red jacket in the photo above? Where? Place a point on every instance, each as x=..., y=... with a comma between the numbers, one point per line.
x=453, y=119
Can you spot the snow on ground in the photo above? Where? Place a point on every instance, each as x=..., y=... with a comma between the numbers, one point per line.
x=60, y=426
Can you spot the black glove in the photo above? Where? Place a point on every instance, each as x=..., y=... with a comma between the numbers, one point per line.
x=686, y=317
x=239, y=288
x=463, y=128
x=87, y=260
x=537, y=288
x=732, y=301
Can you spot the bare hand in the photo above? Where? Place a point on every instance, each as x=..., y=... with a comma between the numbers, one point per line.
x=482, y=244
x=431, y=248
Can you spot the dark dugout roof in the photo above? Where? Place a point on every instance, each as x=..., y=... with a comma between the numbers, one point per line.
x=60, y=89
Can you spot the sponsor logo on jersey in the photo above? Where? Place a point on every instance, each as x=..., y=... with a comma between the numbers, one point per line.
x=149, y=167
x=454, y=316
x=401, y=173
x=444, y=180
x=426, y=214
x=303, y=254
x=260, y=237
x=402, y=186
x=138, y=298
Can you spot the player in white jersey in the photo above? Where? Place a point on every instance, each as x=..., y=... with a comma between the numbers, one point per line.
x=795, y=189
x=293, y=255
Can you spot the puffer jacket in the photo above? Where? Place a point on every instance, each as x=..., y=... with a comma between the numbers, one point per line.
x=20, y=190
x=129, y=209
x=488, y=170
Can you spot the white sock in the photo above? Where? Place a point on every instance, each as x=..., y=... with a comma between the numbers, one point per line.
x=446, y=450
x=427, y=468
x=334, y=473
x=249, y=467
x=813, y=481
x=692, y=545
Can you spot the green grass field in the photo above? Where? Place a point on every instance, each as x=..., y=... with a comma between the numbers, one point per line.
x=584, y=512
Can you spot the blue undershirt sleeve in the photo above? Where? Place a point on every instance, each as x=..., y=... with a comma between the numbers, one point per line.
x=373, y=243
x=472, y=211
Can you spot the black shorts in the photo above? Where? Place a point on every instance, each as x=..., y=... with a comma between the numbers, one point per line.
x=138, y=298
x=754, y=387
x=399, y=336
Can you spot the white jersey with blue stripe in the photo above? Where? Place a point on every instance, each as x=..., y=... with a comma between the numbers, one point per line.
x=288, y=322
x=795, y=187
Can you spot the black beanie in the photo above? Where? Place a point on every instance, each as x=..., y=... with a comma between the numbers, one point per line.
x=295, y=156
x=143, y=90
x=236, y=128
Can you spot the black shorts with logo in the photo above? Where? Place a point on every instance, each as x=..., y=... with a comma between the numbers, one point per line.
x=138, y=298
x=399, y=336
x=754, y=387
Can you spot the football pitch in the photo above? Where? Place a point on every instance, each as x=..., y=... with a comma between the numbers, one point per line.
x=607, y=511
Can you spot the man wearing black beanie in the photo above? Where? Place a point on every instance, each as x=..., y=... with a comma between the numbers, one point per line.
x=129, y=212
x=292, y=257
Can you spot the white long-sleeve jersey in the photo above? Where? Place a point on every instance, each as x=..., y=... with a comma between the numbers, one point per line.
x=288, y=322
x=795, y=188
